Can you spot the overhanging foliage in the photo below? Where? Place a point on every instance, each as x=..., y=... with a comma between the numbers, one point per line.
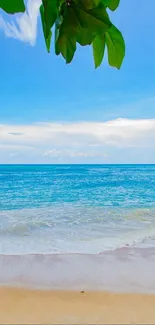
x=85, y=22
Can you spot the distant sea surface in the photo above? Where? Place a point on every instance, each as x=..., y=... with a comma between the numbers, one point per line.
x=86, y=209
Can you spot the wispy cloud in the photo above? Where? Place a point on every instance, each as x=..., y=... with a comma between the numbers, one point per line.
x=24, y=26
x=120, y=140
x=74, y=153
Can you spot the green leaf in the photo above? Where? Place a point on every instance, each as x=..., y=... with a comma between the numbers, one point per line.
x=96, y=20
x=57, y=31
x=50, y=12
x=116, y=47
x=66, y=35
x=98, y=49
x=85, y=37
x=87, y=4
x=67, y=47
x=12, y=6
x=111, y=4
x=47, y=32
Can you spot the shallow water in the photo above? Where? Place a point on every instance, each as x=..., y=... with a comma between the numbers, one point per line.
x=68, y=226
x=76, y=208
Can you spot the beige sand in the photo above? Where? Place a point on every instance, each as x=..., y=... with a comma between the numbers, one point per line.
x=20, y=306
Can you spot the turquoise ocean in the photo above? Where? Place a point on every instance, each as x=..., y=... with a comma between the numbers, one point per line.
x=54, y=215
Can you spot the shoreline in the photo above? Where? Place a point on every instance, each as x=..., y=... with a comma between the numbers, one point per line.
x=125, y=270
x=27, y=306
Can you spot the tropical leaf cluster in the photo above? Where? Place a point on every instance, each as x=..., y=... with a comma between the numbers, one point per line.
x=73, y=22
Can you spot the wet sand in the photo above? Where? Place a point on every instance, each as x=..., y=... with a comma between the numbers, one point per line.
x=124, y=270
x=22, y=306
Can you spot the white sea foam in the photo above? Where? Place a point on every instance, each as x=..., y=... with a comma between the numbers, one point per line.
x=75, y=229
x=127, y=269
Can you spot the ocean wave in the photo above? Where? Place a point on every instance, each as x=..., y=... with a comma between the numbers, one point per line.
x=20, y=241
x=75, y=229
x=22, y=228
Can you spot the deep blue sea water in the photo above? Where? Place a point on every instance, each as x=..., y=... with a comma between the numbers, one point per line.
x=46, y=209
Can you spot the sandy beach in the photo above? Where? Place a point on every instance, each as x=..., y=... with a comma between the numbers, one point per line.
x=22, y=306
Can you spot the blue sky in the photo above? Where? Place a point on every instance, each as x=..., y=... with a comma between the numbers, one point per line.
x=39, y=88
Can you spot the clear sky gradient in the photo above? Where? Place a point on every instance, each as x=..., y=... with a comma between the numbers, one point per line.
x=69, y=101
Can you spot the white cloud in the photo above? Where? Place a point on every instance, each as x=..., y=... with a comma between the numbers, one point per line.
x=120, y=140
x=72, y=153
x=24, y=26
